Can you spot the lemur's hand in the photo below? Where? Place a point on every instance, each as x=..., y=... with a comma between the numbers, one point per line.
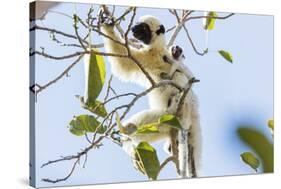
x=166, y=76
x=166, y=59
x=128, y=129
x=105, y=19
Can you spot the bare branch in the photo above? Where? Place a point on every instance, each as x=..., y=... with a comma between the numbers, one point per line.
x=127, y=11
x=175, y=34
x=216, y=17
x=192, y=43
x=76, y=54
x=186, y=18
x=65, y=178
x=108, y=88
x=60, y=13
x=170, y=29
x=64, y=73
x=57, y=57
x=185, y=92
x=165, y=162
x=36, y=27
x=175, y=13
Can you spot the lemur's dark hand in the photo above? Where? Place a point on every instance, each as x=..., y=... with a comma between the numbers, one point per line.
x=166, y=59
x=164, y=75
x=105, y=18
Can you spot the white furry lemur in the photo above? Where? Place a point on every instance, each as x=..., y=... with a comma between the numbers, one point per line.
x=153, y=57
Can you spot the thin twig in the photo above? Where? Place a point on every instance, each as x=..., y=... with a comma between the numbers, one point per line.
x=60, y=13
x=165, y=162
x=108, y=88
x=192, y=43
x=127, y=11
x=170, y=29
x=58, y=57
x=75, y=25
x=62, y=179
x=185, y=92
x=215, y=17
x=187, y=18
x=36, y=27
x=64, y=73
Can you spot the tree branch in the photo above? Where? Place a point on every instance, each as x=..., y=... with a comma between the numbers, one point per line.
x=165, y=162
x=64, y=73
x=36, y=27
x=186, y=18
x=216, y=17
x=192, y=43
x=58, y=57
x=65, y=178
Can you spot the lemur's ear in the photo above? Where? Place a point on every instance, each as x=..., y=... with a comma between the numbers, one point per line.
x=161, y=30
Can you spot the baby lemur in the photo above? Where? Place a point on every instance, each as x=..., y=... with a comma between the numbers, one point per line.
x=177, y=63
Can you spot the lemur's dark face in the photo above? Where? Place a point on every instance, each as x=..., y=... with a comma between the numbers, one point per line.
x=176, y=52
x=142, y=32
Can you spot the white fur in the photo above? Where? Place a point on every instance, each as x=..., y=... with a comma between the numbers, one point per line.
x=151, y=58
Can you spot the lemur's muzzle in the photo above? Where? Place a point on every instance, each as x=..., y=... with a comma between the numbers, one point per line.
x=142, y=32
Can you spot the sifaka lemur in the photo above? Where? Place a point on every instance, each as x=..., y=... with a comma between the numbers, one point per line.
x=157, y=59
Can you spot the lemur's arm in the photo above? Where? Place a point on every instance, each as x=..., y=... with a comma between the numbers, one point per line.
x=124, y=68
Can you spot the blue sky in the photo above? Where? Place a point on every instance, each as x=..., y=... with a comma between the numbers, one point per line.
x=229, y=95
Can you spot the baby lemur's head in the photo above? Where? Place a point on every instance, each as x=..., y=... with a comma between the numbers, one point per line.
x=177, y=52
x=148, y=30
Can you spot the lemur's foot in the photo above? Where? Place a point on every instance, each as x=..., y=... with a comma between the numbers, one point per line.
x=105, y=18
x=164, y=75
x=128, y=129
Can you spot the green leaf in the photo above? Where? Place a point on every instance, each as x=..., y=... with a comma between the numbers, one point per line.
x=270, y=124
x=210, y=22
x=147, y=160
x=96, y=108
x=148, y=128
x=95, y=77
x=250, y=160
x=259, y=144
x=170, y=120
x=82, y=124
x=226, y=55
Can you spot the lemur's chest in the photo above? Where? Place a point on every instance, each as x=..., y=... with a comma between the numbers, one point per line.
x=156, y=61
